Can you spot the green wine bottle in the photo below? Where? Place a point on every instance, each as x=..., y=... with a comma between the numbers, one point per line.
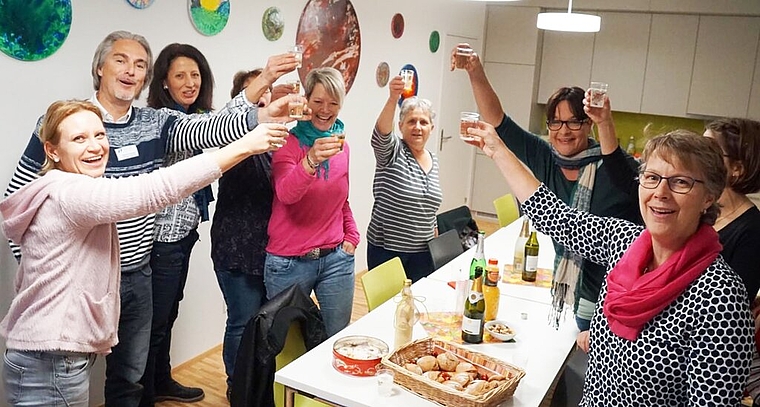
x=480, y=256
x=474, y=310
x=531, y=258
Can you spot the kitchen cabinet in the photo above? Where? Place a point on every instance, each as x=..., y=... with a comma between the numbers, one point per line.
x=511, y=35
x=565, y=61
x=620, y=57
x=670, y=59
x=724, y=62
x=488, y=184
x=753, y=112
x=514, y=85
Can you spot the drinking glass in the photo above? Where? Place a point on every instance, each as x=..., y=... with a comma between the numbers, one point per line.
x=467, y=120
x=295, y=107
x=462, y=57
x=598, y=93
x=297, y=51
x=407, y=75
x=384, y=382
x=341, y=138
x=295, y=85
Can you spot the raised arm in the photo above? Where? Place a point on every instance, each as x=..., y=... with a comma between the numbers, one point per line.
x=602, y=117
x=384, y=123
x=276, y=67
x=488, y=102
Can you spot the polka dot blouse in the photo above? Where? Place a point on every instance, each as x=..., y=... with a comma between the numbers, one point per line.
x=695, y=352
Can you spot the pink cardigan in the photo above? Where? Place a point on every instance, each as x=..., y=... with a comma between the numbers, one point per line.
x=67, y=284
x=309, y=212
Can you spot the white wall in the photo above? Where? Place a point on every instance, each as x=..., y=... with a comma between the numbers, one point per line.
x=29, y=87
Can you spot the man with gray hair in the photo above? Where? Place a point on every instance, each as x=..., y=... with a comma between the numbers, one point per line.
x=140, y=138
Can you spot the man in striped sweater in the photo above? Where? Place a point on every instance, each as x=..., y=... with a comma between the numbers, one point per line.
x=140, y=138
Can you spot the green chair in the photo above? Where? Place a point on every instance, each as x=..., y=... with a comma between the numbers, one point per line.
x=506, y=209
x=294, y=347
x=383, y=282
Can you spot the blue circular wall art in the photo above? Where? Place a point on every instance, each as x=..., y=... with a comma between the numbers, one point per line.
x=30, y=31
x=209, y=16
x=141, y=4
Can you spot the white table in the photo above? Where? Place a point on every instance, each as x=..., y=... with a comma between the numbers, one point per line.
x=547, y=351
x=501, y=246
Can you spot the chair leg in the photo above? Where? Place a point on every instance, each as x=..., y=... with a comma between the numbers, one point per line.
x=290, y=397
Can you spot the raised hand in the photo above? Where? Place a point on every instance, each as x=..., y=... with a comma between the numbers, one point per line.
x=473, y=63
x=597, y=114
x=265, y=137
x=396, y=87
x=278, y=65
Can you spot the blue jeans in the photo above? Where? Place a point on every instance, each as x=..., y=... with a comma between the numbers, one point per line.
x=244, y=294
x=47, y=378
x=125, y=364
x=170, y=263
x=331, y=277
x=416, y=265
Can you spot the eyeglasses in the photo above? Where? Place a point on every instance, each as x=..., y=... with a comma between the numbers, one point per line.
x=555, y=125
x=678, y=184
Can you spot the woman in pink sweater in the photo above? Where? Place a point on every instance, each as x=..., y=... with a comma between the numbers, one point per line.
x=66, y=307
x=312, y=232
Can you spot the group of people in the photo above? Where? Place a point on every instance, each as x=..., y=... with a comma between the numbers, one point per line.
x=104, y=205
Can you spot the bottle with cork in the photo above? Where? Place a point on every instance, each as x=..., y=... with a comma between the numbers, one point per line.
x=491, y=291
x=404, y=317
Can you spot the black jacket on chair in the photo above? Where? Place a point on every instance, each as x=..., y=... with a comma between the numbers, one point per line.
x=264, y=338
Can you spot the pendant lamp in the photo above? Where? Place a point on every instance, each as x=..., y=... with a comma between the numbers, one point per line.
x=571, y=22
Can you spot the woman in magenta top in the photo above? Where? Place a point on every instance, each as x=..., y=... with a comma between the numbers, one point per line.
x=312, y=232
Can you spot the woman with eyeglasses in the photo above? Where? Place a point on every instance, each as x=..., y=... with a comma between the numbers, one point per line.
x=672, y=326
x=583, y=173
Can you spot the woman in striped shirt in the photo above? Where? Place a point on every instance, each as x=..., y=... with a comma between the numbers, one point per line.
x=406, y=188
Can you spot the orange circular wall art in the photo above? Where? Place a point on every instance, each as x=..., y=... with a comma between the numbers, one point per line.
x=330, y=36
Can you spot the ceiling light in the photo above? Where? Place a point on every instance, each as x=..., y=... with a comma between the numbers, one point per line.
x=573, y=22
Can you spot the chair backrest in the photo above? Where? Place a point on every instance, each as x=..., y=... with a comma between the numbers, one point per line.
x=294, y=347
x=459, y=219
x=445, y=248
x=506, y=209
x=383, y=282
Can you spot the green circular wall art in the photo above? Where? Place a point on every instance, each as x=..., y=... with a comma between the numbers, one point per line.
x=272, y=24
x=31, y=31
x=209, y=16
x=435, y=41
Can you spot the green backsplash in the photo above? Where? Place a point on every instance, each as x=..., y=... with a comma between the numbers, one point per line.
x=633, y=124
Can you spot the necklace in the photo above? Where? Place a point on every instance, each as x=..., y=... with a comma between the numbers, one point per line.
x=727, y=218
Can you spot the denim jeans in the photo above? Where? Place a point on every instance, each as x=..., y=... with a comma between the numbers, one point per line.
x=244, y=294
x=34, y=378
x=331, y=277
x=416, y=265
x=170, y=263
x=125, y=364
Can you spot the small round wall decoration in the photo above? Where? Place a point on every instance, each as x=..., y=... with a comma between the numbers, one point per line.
x=209, y=16
x=397, y=25
x=272, y=24
x=435, y=41
x=140, y=3
x=382, y=74
x=30, y=31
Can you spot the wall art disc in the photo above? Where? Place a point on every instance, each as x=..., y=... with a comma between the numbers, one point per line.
x=140, y=3
x=209, y=16
x=397, y=25
x=30, y=31
x=435, y=41
x=382, y=74
x=329, y=33
x=272, y=24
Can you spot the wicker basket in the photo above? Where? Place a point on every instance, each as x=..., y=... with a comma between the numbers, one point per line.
x=445, y=395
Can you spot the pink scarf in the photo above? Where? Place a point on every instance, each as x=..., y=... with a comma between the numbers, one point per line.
x=634, y=298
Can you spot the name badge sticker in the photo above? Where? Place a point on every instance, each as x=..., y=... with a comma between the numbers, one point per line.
x=126, y=152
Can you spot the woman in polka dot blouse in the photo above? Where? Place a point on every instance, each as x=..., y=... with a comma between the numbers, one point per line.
x=673, y=326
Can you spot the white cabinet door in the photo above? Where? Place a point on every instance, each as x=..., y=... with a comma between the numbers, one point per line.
x=511, y=34
x=620, y=55
x=514, y=85
x=565, y=61
x=753, y=112
x=488, y=185
x=670, y=60
x=723, y=65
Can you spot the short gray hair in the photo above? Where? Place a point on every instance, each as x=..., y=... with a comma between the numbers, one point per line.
x=330, y=78
x=105, y=47
x=415, y=102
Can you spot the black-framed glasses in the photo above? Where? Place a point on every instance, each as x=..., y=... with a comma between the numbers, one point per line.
x=555, y=125
x=679, y=184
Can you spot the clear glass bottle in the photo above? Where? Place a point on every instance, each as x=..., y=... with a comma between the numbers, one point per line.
x=519, y=259
x=404, y=317
x=531, y=258
x=480, y=256
x=631, y=149
x=474, y=311
x=491, y=290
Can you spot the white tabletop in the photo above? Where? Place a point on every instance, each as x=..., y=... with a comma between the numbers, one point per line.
x=501, y=246
x=545, y=347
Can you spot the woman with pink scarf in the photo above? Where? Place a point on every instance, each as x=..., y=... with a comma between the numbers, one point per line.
x=672, y=326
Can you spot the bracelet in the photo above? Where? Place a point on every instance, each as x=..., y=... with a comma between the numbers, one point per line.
x=311, y=164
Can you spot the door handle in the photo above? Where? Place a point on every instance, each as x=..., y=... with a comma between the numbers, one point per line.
x=441, y=140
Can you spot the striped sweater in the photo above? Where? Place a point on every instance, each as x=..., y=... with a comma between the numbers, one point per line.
x=154, y=133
